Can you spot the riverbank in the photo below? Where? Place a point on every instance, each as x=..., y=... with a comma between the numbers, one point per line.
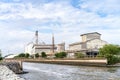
x=7, y=74
x=114, y=65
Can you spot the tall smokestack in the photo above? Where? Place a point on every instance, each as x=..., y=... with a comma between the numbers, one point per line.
x=53, y=43
x=36, y=37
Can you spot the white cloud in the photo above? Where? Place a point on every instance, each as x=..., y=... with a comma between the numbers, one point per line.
x=103, y=6
x=19, y=21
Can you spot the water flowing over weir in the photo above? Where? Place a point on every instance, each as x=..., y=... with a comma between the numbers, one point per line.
x=39, y=71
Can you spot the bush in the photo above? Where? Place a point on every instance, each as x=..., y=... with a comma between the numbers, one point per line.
x=112, y=59
x=43, y=54
x=27, y=55
x=31, y=56
x=61, y=55
x=110, y=49
x=21, y=55
x=79, y=55
x=1, y=58
x=110, y=52
x=37, y=55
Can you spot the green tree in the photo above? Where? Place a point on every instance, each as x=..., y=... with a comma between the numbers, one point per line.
x=1, y=55
x=43, y=54
x=21, y=55
x=1, y=58
x=37, y=55
x=27, y=55
x=61, y=55
x=110, y=49
x=110, y=52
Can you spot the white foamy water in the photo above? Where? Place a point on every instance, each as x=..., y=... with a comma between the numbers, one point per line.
x=39, y=71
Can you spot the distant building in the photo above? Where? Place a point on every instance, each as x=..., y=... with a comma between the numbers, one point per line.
x=9, y=56
x=28, y=48
x=49, y=49
x=91, y=42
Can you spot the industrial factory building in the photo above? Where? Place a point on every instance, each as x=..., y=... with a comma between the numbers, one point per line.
x=36, y=47
x=90, y=44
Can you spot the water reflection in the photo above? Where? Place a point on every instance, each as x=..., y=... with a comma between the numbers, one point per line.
x=38, y=71
x=112, y=70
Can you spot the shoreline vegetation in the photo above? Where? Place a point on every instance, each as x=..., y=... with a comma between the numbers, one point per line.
x=111, y=53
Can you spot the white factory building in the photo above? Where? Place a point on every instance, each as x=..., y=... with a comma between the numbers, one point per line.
x=36, y=47
x=91, y=42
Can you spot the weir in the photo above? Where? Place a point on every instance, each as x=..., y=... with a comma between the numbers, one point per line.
x=16, y=65
x=98, y=62
x=86, y=62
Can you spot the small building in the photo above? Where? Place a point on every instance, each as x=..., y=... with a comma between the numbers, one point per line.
x=10, y=56
x=90, y=44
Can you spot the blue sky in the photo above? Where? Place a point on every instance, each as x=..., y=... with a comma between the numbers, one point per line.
x=67, y=19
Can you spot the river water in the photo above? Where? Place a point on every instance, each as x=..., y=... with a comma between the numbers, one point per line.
x=39, y=71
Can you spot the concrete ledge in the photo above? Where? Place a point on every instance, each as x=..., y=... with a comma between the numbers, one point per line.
x=102, y=62
x=85, y=62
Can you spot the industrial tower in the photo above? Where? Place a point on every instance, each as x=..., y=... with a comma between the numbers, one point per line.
x=36, y=37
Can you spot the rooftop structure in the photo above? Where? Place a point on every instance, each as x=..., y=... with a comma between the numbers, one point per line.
x=89, y=36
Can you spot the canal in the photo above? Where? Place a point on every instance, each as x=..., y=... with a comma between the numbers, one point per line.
x=39, y=71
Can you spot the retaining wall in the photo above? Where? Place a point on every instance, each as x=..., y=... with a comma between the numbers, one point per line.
x=102, y=62
x=14, y=66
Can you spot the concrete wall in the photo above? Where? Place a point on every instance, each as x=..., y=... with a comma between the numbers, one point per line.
x=93, y=36
x=95, y=44
x=16, y=67
x=60, y=47
x=90, y=36
x=84, y=38
x=75, y=47
x=89, y=62
x=7, y=74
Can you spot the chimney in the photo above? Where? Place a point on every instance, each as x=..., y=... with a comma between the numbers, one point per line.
x=36, y=37
x=53, y=43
